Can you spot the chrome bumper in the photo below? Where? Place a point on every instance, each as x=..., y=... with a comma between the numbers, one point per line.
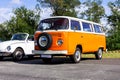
x=50, y=52
x=5, y=54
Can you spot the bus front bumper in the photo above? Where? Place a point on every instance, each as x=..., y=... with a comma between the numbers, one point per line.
x=50, y=52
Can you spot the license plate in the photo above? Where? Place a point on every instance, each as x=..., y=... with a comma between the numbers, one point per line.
x=46, y=56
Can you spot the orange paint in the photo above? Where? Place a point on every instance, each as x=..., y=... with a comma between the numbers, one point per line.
x=89, y=42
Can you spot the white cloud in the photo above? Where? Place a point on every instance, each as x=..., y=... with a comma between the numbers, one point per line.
x=5, y=14
x=107, y=10
x=45, y=13
x=16, y=2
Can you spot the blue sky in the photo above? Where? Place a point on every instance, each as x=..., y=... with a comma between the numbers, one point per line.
x=6, y=7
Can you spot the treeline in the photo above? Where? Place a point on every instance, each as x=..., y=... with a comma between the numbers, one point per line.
x=25, y=20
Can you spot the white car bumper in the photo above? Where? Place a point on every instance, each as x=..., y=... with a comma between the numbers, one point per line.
x=5, y=53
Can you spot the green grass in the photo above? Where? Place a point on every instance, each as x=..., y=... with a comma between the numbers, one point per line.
x=111, y=55
x=105, y=55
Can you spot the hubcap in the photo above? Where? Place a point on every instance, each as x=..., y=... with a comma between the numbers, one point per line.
x=18, y=54
x=43, y=41
x=77, y=55
x=100, y=53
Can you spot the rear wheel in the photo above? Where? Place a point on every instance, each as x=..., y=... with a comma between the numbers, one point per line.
x=98, y=54
x=77, y=56
x=18, y=54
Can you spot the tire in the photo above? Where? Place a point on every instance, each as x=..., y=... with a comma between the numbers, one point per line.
x=47, y=60
x=44, y=41
x=1, y=58
x=77, y=56
x=30, y=56
x=18, y=54
x=98, y=54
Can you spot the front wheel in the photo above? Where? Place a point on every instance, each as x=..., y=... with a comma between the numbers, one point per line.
x=77, y=56
x=18, y=54
x=98, y=54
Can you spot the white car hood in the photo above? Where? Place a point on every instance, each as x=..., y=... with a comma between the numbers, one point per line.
x=5, y=44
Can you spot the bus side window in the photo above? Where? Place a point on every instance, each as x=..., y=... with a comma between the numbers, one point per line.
x=86, y=27
x=75, y=25
x=97, y=29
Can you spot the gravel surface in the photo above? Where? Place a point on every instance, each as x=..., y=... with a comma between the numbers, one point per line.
x=60, y=69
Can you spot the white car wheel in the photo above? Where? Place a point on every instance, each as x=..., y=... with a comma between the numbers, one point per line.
x=18, y=54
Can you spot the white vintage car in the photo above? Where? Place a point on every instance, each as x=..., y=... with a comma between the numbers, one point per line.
x=20, y=45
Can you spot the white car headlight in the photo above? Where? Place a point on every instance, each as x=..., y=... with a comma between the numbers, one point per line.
x=9, y=48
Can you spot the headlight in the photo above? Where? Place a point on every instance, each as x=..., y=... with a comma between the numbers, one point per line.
x=60, y=42
x=9, y=48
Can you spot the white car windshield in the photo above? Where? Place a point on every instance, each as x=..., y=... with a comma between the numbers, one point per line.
x=53, y=24
x=19, y=37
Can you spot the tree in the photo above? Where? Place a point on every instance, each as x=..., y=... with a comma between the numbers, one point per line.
x=4, y=30
x=113, y=41
x=60, y=7
x=94, y=11
x=24, y=20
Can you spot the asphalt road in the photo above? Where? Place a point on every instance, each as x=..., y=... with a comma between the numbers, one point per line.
x=60, y=69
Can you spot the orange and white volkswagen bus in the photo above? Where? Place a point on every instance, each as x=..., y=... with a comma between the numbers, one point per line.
x=68, y=36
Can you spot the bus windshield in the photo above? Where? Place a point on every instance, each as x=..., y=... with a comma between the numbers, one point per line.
x=53, y=24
